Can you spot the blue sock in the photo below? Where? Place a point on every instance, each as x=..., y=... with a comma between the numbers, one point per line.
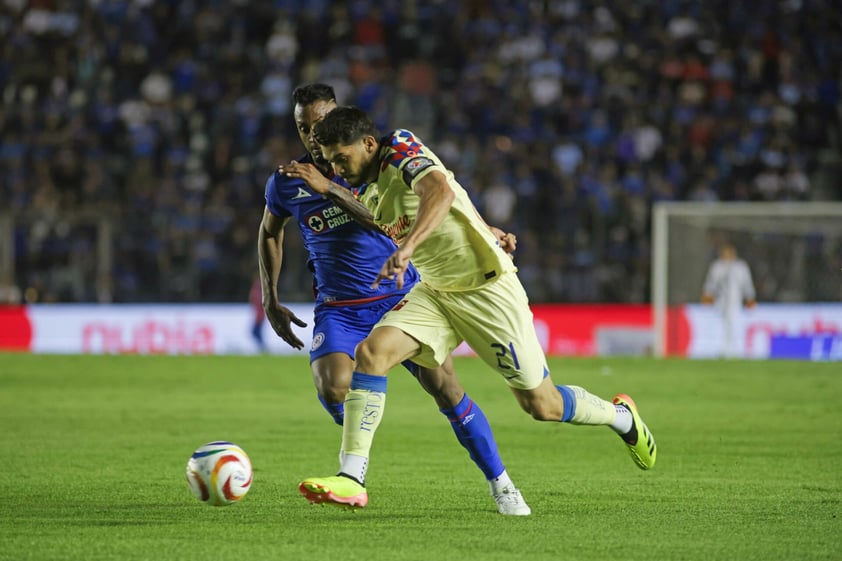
x=335, y=410
x=474, y=433
x=569, y=403
x=360, y=381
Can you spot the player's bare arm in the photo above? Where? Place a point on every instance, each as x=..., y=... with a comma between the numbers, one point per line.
x=436, y=198
x=346, y=200
x=270, y=239
x=316, y=181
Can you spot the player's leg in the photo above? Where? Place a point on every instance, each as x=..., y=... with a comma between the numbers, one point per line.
x=580, y=407
x=388, y=344
x=738, y=330
x=257, y=334
x=335, y=334
x=510, y=345
x=473, y=432
x=567, y=404
x=365, y=403
x=729, y=344
x=384, y=348
x=332, y=378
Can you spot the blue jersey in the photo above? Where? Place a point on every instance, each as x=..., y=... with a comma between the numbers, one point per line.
x=345, y=257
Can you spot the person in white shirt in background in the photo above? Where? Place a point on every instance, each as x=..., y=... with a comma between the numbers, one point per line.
x=729, y=287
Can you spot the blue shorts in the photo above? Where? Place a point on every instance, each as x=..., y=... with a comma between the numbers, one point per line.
x=338, y=329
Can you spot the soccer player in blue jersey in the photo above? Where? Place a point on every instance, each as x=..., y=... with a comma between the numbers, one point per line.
x=469, y=292
x=344, y=256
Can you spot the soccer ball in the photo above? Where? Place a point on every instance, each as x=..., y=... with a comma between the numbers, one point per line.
x=219, y=473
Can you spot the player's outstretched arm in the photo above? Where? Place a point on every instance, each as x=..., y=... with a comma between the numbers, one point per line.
x=270, y=240
x=327, y=188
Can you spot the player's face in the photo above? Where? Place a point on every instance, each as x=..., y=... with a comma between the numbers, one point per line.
x=355, y=163
x=306, y=117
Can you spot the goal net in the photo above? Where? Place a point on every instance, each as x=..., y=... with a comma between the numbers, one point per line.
x=794, y=252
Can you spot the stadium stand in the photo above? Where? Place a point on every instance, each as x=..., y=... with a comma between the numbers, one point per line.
x=153, y=125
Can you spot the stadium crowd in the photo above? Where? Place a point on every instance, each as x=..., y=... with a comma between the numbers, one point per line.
x=144, y=131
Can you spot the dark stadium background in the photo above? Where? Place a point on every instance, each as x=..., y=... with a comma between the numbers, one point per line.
x=136, y=136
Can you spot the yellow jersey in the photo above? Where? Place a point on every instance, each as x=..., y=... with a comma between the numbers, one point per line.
x=461, y=253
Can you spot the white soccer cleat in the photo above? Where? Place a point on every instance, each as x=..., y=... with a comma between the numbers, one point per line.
x=510, y=502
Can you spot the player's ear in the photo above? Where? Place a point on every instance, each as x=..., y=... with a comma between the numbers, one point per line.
x=370, y=144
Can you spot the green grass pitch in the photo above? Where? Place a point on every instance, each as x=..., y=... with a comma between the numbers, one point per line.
x=94, y=451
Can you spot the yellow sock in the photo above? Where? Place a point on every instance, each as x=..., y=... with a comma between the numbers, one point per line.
x=590, y=409
x=363, y=412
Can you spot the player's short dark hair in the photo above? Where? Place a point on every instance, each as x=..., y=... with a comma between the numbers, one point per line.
x=311, y=93
x=344, y=125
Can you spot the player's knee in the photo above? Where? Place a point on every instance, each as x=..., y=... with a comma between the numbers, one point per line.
x=372, y=358
x=377, y=355
x=332, y=382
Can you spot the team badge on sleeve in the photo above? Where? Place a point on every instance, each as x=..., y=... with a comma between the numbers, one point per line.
x=414, y=167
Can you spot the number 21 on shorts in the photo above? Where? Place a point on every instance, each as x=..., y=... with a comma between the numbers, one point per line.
x=506, y=356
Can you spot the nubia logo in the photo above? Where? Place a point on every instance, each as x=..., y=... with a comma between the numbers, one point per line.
x=148, y=337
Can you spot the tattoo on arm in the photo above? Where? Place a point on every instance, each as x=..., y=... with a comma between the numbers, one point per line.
x=352, y=206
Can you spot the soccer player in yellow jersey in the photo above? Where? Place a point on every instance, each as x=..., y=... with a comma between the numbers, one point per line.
x=469, y=291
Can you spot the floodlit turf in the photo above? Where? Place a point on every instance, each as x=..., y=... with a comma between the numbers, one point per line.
x=94, y=450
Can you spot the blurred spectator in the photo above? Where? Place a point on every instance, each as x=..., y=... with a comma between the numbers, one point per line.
x=258, y=315
x=153, y=123
x=9, y=292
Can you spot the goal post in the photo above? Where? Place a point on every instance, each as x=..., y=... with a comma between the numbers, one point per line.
x=794, y=250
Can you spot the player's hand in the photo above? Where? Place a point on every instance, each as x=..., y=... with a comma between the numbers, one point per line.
x=281, y=318
x=750, y=303
x=507, y=240
x=308, y=173
x=707, y=299
x=394, y=268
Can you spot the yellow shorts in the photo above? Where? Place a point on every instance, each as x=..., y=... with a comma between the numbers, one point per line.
x=495, y=321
